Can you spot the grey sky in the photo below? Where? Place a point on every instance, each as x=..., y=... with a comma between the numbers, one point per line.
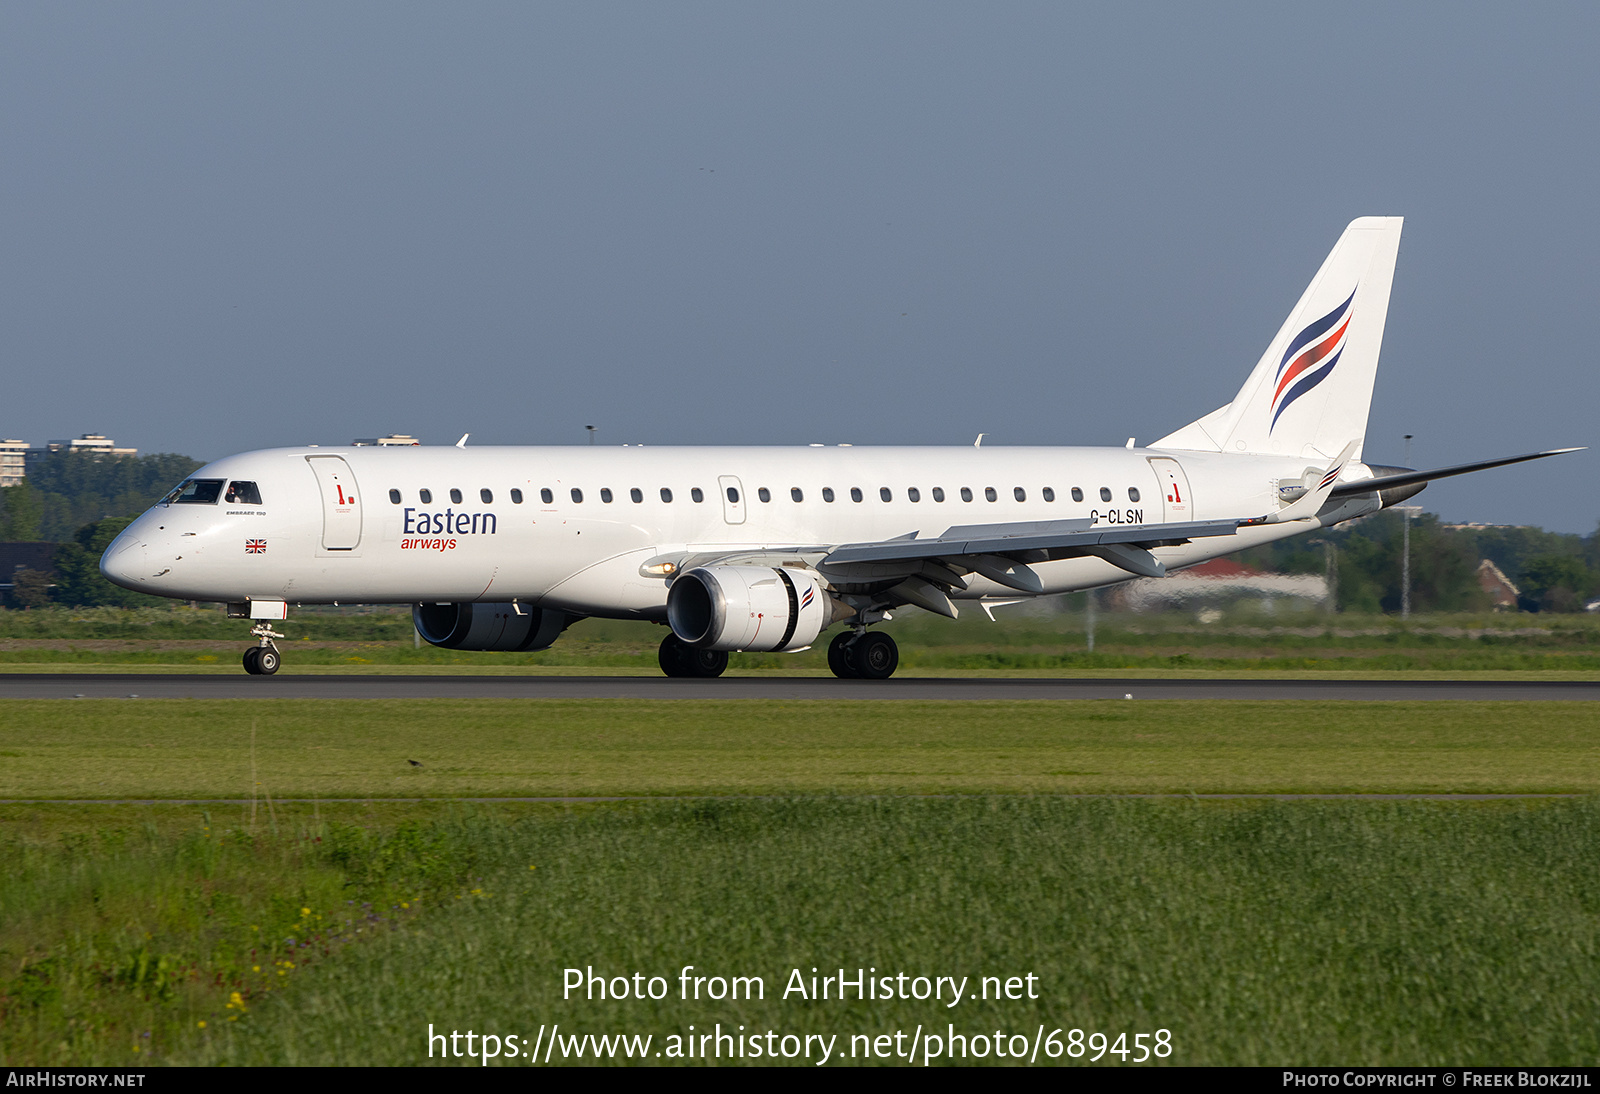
x=229, y=226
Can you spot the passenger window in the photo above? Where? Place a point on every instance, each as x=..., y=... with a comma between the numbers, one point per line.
x=1020, y=494
x=544, y=495
x=989, y=494
x=605, y=494
x=938, y=493
x=697, y=495
x=487, y=495
x=913, y=494
x=245, y=493
x=733, y=494
x=827, y=493
x=1133, y=493
x=764, y=494
x=394, y=496
x=577, y=496
x=196, y=492
x=1077, y=494
x=966, y=493
x=666, y=495
x=794, y=492
x=1049, y=493
x=1105, y=493
x=426, y=496
x=455, y=496
x=516, y=497
x=883, y=492
x=855, y=493
x=636, y=494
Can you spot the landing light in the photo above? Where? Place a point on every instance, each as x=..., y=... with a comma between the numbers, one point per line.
x=662, y=569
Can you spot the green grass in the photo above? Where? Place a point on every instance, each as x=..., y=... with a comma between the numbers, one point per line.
x=490, y=748
x=1257, y=932
x=121, y=931
x=1269, y=933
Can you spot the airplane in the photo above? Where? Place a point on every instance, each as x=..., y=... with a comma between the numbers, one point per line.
x=765, y=548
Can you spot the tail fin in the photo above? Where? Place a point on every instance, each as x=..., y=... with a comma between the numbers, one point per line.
x=1310, y=393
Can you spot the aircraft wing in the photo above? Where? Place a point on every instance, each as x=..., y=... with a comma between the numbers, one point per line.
x=1072, y=536
x=1001, y=552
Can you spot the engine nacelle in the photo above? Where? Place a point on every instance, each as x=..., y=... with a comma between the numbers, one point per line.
x=506, y=628
x=747, y=608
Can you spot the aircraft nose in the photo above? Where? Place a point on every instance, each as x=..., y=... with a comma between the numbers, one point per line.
x=125, y=563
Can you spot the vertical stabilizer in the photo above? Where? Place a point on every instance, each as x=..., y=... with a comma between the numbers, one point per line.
x=1310, y=393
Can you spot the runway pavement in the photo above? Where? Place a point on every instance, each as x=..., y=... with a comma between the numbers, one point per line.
x=151, y=686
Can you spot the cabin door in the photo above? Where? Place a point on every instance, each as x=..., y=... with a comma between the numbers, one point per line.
x=1174, y=487
x=341, y=503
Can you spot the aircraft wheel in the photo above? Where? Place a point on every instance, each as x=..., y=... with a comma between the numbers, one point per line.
x=875, y=656
x=707, y=663
x=839, y=656
x=673, y=656
x=267, y=660
x=250, y=665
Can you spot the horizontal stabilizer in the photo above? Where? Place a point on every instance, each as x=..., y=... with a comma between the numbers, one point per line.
x=1413, y=478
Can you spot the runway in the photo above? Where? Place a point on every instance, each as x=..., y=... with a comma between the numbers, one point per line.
x=151, y=686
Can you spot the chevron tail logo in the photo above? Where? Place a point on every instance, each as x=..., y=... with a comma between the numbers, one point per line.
x=1311, y=357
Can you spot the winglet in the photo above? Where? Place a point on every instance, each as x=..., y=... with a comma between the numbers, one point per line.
x=462, y=443
x=1312, y=500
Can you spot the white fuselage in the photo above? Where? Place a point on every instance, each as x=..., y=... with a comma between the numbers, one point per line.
x=328, y=528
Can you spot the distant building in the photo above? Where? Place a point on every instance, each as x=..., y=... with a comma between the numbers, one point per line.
x=393, y=440
x=13, y=462
x=1221, y=579
x=1499, y=587
x=97, y=444
x=1474, y=526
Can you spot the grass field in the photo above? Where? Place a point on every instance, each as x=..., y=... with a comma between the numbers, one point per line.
x=1256, y=933
x=555, y=748
x=924, y=837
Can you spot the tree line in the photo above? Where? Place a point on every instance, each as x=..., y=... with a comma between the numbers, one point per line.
x=81, y=501
x=1553, y=571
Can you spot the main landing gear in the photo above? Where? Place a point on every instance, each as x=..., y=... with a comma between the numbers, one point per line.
x=678, y=658
x=866, y=655
x=263, y=659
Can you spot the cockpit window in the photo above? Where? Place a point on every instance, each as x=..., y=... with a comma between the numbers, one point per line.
x=242, y=493
x=195, y=492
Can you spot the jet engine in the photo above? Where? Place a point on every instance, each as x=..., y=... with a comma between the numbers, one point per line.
x=505, y=628
x=747, y=608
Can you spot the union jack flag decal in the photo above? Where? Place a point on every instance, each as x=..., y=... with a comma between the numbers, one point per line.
x=1310, y=357
x=255, y=546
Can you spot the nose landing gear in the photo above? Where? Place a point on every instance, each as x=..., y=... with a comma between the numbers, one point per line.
x=263, y=659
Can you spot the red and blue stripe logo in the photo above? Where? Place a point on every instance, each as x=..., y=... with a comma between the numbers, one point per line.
x=1311, y=357
x=805, y=601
